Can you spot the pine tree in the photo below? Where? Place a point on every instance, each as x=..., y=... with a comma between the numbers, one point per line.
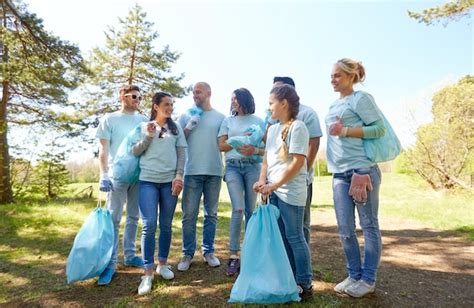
x=50, y=175
x=38, y=70
x=129, y=57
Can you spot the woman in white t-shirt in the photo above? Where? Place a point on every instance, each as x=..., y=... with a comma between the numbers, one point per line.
x=283, y=179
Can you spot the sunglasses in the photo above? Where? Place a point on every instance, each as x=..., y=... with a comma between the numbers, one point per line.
x=139, y=97
x=162, y=133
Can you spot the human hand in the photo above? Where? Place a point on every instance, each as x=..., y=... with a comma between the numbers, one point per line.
x=247, y=150
x=151, y=129
x=336, y=128
x=193, y=122
x=258, y=185
x=105, y=184
x=176, y=186
x=360, y=185
x=267, y=189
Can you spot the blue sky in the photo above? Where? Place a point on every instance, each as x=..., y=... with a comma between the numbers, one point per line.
x=233, y=44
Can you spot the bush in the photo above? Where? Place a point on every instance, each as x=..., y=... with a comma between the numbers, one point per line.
x=323, y=167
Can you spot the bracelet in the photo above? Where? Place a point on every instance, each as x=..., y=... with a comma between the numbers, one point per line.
x=344, y=131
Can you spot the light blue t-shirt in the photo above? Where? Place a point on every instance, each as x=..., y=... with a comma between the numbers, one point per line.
x=294, y=191
x=204, y=156
x=114, y=127
x=345, y=153
x=236, y=126
x=158, y=162
x=310, y=118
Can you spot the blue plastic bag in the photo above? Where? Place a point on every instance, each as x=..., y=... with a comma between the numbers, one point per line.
x=126, y=166
x=384, y=148
x=255, y=139
x=265, y=271
x=92, y=248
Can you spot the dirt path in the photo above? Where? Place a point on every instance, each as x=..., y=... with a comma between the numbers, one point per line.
x=419, y=267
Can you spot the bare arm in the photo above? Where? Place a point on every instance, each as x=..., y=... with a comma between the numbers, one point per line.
x=103, y=155
x=223, y=146
x=313, y=148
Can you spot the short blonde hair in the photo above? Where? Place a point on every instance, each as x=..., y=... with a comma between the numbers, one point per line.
x=352, y=67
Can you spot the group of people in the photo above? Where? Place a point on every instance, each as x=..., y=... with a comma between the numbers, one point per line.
x=186, y=156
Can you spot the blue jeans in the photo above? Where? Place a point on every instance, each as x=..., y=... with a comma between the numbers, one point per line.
x=193, y=187
x=307, y=214
x=368, y=217
x=123, y=192
x=156, y=200
x=240, y=176
x=291, y=228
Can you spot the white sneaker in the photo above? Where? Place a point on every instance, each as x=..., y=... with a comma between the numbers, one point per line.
x=360, y=288
x=165, y=271
x=145, y=285
x=342, y=286
x=185, y=263
x=211, y=260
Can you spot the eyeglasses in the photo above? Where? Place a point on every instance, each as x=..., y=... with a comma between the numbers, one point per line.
x=139, y=97
x=162, y=133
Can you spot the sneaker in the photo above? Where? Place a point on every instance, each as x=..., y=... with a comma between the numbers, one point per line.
x=305, y=294
x=106, y=277
x=211, y=260
x=165, y=271
x=342, y=286
x=185, y=263
x=134, y=262
x=233, y=266
x=145, y=285
x=360, y=288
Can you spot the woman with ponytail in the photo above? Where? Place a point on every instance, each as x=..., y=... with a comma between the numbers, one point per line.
x=162, y=149
x=356, y=179
x=283, y=180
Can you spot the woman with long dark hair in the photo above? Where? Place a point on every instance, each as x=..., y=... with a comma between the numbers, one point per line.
x=162, y=150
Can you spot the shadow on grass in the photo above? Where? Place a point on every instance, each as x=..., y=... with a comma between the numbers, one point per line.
x=399, y=284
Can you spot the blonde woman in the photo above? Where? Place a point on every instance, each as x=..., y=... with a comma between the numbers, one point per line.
x=356, y=179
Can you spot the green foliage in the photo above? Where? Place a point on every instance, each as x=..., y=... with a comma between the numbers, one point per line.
x=19, y=174
x=323, y=167
x=50, y=175
x=129, y=57
x=84, y=172
x=402, y=164
x=444, y=148
x=37, y=72
x=450, y=11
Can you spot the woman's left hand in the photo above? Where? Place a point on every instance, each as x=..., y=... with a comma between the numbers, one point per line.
x=335, y=129
x=246, y=150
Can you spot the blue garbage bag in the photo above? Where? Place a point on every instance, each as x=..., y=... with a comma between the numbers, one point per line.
x=265, y=271
x=126, y=166
x=92, y=248
x=254, y=138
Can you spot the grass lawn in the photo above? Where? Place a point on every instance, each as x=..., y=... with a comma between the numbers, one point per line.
x=36, y=236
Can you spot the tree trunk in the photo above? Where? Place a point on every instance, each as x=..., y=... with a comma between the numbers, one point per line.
x=5, y=184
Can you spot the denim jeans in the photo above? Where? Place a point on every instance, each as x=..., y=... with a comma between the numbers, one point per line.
x=240, y=176
x=123, y=192
x=156, y=201
x=193, y=187
x=307, y=214
x=368, y=217
x=291, y=228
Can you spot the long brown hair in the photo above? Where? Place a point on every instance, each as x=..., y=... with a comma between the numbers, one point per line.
x=287, y=92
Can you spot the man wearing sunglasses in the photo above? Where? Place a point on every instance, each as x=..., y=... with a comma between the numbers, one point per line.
x=113, y=128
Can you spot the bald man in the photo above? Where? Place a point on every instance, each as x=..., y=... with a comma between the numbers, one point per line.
x=202, y=176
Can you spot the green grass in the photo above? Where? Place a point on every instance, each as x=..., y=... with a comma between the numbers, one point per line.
x=36, y=236
x=410, y=198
